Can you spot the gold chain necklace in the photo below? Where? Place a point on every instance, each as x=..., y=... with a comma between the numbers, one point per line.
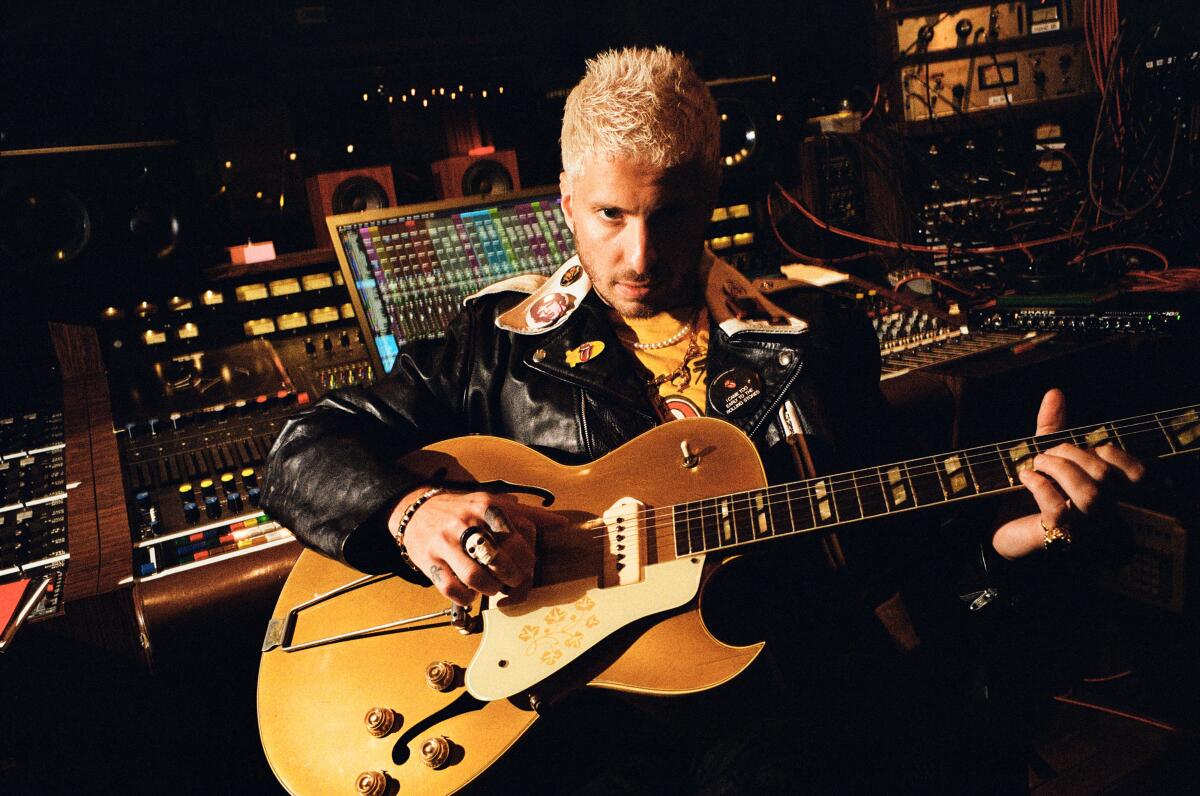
x=681, y=377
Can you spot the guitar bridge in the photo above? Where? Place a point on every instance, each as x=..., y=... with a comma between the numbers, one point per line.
x=625, y=548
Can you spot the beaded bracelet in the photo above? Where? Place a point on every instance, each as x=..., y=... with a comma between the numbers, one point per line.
x=398, y=535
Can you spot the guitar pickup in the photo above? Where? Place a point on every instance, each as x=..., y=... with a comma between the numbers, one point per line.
x=624, y=546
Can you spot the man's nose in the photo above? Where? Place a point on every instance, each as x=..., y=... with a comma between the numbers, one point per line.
x=640, y=251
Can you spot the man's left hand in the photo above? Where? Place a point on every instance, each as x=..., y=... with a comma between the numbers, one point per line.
x=1072, y=486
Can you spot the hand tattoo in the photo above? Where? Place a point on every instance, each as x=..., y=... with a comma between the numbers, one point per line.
x=435, y=573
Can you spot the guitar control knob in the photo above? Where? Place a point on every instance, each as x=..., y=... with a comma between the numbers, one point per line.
x=435, y=751
x=380, y=721
x=440, y=675
x=371, y=783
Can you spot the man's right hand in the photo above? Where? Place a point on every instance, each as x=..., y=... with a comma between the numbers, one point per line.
x=433, y=539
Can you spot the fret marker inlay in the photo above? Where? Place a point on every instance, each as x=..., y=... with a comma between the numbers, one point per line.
x=823, y=507
x=1022, y=457
x=953, y=467
x=726, y=522
x=760, y=515
x=1189, y=433
x=899, y=492
x=1096, y=438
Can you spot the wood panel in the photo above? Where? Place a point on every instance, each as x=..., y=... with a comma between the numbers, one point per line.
x=97, y=522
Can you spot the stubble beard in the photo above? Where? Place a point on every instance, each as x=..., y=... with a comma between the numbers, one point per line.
x=663, y=297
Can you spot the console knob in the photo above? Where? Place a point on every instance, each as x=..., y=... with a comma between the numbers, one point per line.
x=439, y=675
x=310, y=347
x=380, y=721
x=435, y=751
x=371, y=783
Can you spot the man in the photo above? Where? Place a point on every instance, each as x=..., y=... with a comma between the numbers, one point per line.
x=642, y=326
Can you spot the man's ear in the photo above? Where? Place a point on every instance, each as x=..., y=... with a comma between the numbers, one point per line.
x=564, y=188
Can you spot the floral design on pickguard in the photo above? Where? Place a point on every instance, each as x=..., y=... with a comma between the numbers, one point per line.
x=560, y=627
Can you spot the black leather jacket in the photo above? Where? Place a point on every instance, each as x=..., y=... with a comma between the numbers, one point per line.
x=331, y=476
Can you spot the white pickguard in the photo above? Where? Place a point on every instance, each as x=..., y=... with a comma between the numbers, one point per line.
x=524, y=643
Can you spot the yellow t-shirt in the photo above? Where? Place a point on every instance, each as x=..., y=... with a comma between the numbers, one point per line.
x=682, y=395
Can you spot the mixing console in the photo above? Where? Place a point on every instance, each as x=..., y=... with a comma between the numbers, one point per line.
x=195, y=430
x=911, y=335
x=33, y=502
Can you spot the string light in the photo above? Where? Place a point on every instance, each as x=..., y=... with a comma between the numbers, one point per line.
x=349, y=149
x=366, y=96
x=229, y=164
x=292, y=155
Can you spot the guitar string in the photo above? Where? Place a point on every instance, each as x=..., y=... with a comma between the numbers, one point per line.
x=788, y=493
x=806, y=488
x=834, y=483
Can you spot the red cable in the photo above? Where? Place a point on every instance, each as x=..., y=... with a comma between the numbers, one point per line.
x=1114, y=712
x=808, y=259
x=1118, y=247
x=874, y=102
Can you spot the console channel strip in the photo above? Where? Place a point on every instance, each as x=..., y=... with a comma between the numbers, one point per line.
x=33, y=502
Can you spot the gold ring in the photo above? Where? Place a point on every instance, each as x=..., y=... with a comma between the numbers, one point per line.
x=1056, y=538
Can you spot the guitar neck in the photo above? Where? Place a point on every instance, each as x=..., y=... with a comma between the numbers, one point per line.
x=727, y=521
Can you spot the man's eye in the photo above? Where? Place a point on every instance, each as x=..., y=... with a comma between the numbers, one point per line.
x=610, y=213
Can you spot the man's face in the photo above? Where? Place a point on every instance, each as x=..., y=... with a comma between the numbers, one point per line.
x=639, y=231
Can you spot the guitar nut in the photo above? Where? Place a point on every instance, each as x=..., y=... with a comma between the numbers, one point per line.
x=435, y=751
x=380, y=721
x=371, y=783
x=440, y=675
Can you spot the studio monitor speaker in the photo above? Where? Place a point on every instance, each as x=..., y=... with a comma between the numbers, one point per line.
x=78, y=224
x=334, y=192
x=477, y=175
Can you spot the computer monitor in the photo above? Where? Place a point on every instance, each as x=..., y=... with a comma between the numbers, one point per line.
x=409, y=268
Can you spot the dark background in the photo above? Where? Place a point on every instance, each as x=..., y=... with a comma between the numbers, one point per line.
x=249, y=83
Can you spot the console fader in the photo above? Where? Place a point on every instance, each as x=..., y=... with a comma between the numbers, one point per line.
x=194, y=432
x=33, y=501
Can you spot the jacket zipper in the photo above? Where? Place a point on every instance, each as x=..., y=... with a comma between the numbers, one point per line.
x=769, y=413
x=583, y=424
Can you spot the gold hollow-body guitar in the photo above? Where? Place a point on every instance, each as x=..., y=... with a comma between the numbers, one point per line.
x=375, y=684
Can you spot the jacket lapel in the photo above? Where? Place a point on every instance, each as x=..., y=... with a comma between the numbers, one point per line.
x=612, y=372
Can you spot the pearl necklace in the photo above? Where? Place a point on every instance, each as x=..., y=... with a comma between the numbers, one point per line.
x=670, y=341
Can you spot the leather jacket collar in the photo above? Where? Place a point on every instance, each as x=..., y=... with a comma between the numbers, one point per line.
x=747, y=333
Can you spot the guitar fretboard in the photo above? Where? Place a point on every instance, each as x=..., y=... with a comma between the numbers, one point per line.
x=726, y=521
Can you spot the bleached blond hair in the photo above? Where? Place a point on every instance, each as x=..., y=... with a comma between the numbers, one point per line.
x=648, y=105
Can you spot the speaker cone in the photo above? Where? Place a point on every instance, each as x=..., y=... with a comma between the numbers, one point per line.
x=486, y=177
x=358, y=193
x=42, y=224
